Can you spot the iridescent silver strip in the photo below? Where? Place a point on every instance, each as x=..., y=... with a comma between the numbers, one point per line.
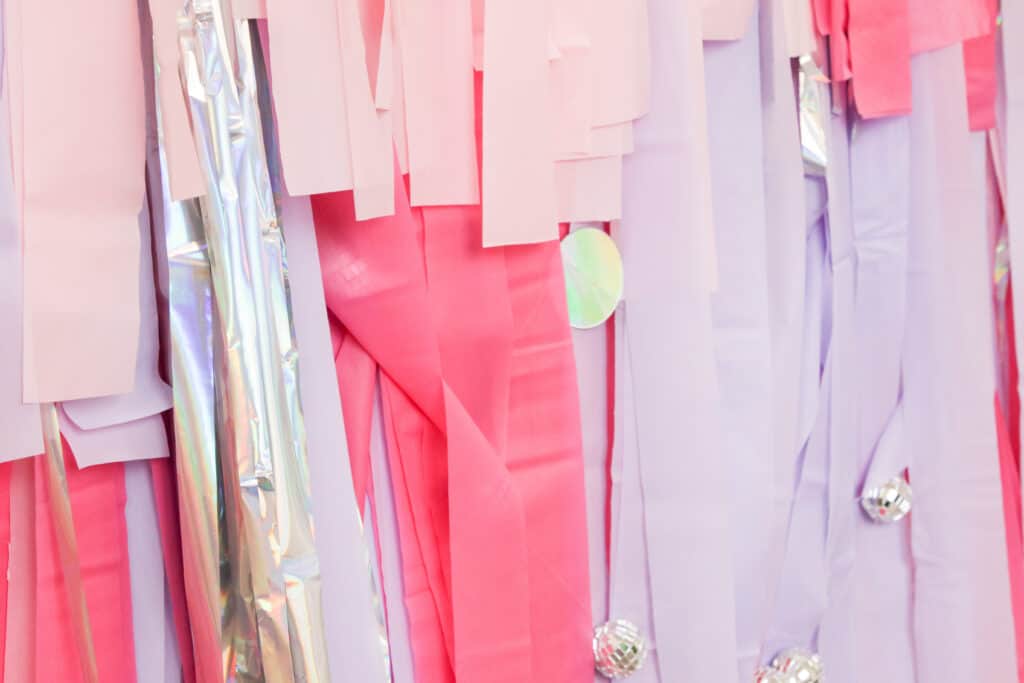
x=67, y=540
x=813, y=109
x=263, y=459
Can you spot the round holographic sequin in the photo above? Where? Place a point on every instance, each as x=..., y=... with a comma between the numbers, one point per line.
x=593, y=276
x=797, y=665
x=619, y=649
x=889, y=502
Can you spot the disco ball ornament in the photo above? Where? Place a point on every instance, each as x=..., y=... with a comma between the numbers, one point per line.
x=619, y=649
x=797, y=665
x=766, y=674
x=889, y=502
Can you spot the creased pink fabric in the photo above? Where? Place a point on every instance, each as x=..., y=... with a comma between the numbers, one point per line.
x=1010, y=476
x=480, y=512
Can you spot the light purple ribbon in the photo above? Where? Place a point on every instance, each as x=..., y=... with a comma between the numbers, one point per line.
x=684, y=478
x=399, y=640
x=963, y=629
x=741, y=317
x=350, y=622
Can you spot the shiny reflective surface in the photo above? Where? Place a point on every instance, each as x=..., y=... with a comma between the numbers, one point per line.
x=270, y=576
x=797, y=665
x=67, y=541
x=889, y=502
x=619, y=649
x=593, y=276
x=766, y=674
x=813, y=109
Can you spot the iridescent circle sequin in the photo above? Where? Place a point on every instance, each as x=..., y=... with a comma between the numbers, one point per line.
x=593, y=276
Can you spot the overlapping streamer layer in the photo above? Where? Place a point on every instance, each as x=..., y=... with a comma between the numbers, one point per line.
x=67, y=541
x=192, y=328
x=271, y=624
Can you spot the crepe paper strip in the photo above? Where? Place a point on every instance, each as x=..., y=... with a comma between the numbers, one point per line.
x=982, y=83
x=612, y=140
x=593, y=374
x=5, y=557
x=477, y=348
x=572, y=74
x=397, y=103
x=546, y=463
x=81, y=321
x=352, y=631
x=369, y=130
x=880, y=178
x=150, y=395
x=249, y=9
x=165, y=496
x=799, y=27
x=184, y=175
x=672, y=350
x=800, y=594
x=20, y=434
x=374, y=283
x=147, y=581
x=58, y=495
x=785, y=196
x=20, y=651
x=437, y=77
x=936, y=24
x=96, y=498
x=589, y=189
x=426, y=599
x=399, y=641
x=517, y=144
x=357, y=376
x=741, y=325
x=620, y=59
x=311, y=114
x=963, y=628
x=879, y=32
x=726, y=19
x=1010, y=477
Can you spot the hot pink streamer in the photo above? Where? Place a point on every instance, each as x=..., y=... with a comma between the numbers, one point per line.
x=485, y=455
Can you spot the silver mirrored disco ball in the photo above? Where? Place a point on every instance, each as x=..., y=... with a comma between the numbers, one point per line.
x=619, y=649
x=889, y=502
x=766, y=674
x=799, y=666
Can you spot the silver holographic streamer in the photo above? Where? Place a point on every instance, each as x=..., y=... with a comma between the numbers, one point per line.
x=67, y=541
x=814, y=109
x=272, y=568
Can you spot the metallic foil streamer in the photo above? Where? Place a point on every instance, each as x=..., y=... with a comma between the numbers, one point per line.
x=593, y=276
x=813, y=109
x=67, y=541
x=265, y=484
x=193, y=323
